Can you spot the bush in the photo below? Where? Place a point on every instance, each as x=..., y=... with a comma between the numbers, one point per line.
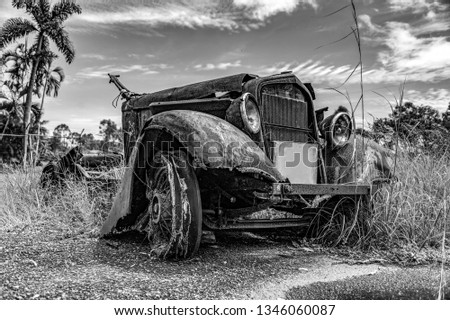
x=418, y=128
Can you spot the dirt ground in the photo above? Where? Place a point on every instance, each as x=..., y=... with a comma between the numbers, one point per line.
x=36, y=263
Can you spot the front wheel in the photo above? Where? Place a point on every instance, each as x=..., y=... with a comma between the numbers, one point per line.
x=174, y=211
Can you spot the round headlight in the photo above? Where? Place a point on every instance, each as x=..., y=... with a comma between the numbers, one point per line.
x=250, y=113
x=340, y=129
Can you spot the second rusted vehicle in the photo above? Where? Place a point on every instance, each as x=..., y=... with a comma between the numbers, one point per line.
x=221, y=154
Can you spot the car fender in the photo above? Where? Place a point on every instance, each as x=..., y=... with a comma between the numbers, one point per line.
x=214, y=142
x=361, y=160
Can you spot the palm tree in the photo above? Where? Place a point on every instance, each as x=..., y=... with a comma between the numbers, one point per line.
x=15, y=65
x=51, y=80
x=48, y=25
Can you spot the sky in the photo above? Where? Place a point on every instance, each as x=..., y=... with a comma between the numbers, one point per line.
x=159, y=44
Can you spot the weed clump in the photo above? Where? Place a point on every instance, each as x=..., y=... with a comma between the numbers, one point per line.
x=77, y=207
x=406, y=220
x=412, y=210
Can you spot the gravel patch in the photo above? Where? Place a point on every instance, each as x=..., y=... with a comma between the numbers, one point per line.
x=38, y=264
x=41, y=262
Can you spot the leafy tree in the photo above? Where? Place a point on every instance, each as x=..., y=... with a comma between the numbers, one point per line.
x=61, y=130
x=110, y=132
x=423, y=128
x=61, y=134
x=15, y=69
x=11, y=130
x=88, y=141
x=75, y=136
x=47, y=23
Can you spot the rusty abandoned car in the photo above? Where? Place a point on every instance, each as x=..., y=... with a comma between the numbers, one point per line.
x=75, y=165
x=210, y=155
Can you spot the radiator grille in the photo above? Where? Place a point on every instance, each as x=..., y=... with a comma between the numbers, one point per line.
x=285, y=113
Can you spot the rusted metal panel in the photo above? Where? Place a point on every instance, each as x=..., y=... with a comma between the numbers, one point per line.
x=144, y=115
x=130, y=125
x=121, y=205
x=297, y=161
x=360, y=160
x=122, y=202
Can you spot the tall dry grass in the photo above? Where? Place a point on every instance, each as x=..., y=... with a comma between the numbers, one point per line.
x=406, y=220
x=411, y=212
x=76, y=207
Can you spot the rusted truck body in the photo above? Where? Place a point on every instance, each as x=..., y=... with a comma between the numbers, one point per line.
x=207, y=156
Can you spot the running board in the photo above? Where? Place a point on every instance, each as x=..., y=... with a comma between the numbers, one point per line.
x=263, y=224
x=323, y=189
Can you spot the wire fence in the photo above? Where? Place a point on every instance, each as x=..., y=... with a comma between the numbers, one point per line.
x=21, y=135
x=40, y=135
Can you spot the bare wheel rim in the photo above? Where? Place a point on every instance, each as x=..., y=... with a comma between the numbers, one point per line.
x=160, y=193
x=174, y=211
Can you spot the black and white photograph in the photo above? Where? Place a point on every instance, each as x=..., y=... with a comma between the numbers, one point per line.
x=224, y=158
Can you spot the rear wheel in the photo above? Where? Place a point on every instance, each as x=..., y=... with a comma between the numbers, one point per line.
x=174, y=211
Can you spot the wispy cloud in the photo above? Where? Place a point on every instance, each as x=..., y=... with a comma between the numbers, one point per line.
x=416, y=5
x=415, y=51
x=95, y=56
x=169, y=14
x=437, y=98
x=366, y=23
x=102, y=71
x=262, y=9
x=224, y=15
x=140, y=56
x=394, y=71
x=162, y=66
x=417, y=58
x=218, y=66
x=312, y=71
x=404, y=51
